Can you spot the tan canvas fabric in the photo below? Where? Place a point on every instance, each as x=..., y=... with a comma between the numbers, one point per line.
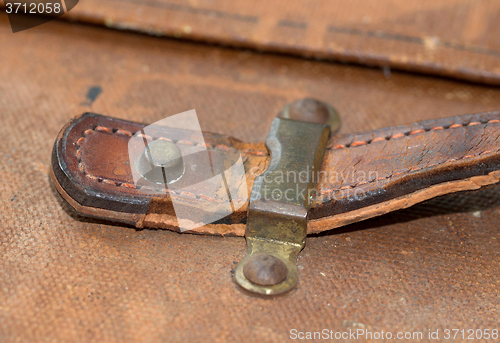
x=67, y=278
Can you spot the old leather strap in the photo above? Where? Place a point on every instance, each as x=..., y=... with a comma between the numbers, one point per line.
x=455, y=38
x=363, y=175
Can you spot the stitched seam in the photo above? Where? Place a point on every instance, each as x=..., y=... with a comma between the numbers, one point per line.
x=410, y=133
x=81, y=167
x=414, y=169
x=130, y=134
x=323, y=193
x=259, y=153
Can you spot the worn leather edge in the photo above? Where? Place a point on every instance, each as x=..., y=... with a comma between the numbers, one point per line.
x=402, y=202
x=122, y=217
x=164, y=221
x=230, y=226
x=74, y=187
x=168, y=222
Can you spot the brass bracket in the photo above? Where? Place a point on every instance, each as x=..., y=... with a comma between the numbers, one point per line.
x=280, y=200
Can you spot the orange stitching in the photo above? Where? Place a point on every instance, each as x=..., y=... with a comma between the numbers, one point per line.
x=182, y=141
x=400, y=135
x=324, y=192
x=130, y=134
x=209, y=198
x=188, y=194
x=145, y=136
x=123, y=132
x=102, y=128
x=260, y=153
x=223, y=147
x=81, y=167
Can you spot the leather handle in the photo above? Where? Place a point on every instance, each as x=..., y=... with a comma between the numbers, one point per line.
x=363, y=175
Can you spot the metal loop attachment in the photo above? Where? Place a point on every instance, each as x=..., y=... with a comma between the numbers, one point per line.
x=277, y=214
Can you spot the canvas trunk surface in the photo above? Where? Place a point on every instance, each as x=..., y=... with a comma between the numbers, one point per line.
x=63, y=277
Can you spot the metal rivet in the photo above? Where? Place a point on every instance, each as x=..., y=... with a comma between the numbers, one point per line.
x=161, y=162
x=277, y=227
x=265, y=270
x=312, y=111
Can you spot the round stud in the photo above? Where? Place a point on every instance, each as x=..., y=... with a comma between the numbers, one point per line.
x=161, y=162
x=312, y=111
x=265, y=270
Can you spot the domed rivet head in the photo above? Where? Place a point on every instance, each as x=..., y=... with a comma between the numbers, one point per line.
x=265, y=270
x=161, y=162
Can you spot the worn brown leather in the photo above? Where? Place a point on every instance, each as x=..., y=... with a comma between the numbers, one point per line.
x=452, y=38
x=66, y=278
x=362, y=175
x=457, y=38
